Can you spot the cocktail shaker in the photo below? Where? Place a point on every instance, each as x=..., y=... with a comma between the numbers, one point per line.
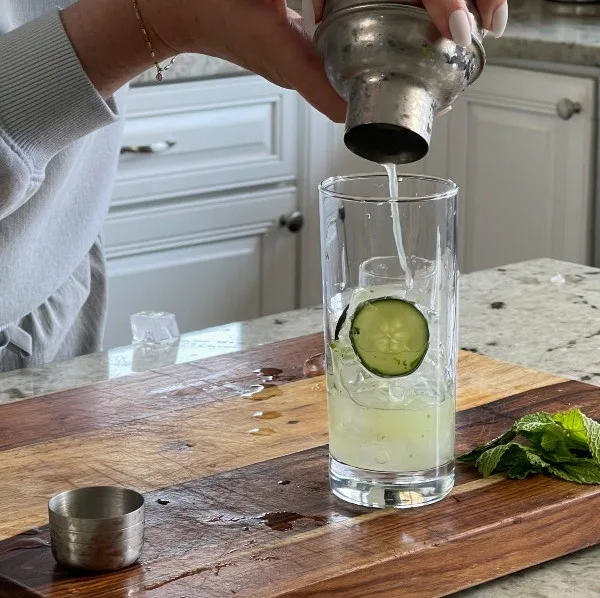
x=396, y=71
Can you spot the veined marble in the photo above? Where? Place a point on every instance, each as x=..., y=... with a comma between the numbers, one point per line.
x=549, y=32
x=543, y=314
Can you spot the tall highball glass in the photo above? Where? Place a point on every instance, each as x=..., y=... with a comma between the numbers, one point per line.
x=390, y=297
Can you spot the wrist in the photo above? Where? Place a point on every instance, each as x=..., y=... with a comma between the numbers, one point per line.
x=161, y=26
x=177, y=26
x=108, y=40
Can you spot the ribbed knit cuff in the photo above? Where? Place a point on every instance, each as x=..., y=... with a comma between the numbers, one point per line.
x=46, y=99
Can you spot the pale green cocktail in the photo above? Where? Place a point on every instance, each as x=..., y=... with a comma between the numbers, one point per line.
x=391, y=345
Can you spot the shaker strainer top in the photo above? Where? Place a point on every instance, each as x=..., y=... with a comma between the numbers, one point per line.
x=396, y=71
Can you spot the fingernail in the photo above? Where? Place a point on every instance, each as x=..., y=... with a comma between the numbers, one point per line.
x=472, y=20
x=499, y=20
x=460, y=28
x=484, y=32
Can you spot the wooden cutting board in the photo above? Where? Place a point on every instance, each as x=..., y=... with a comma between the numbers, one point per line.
x=239, y=505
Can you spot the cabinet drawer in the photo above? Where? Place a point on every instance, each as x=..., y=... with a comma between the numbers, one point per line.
x=203, y=285
x=205, y=136
x=209, y=260
x=187, y=221
x=529, y=91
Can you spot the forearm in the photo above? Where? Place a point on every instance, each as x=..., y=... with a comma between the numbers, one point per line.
x=108, y=40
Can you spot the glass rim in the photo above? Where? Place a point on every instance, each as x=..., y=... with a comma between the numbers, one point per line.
x=452, y=190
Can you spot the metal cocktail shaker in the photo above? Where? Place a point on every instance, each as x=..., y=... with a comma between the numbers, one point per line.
x=396, y=71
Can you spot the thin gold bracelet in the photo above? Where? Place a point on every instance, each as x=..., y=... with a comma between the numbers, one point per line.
x=159, y=69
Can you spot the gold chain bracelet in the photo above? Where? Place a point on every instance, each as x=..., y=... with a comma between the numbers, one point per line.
x=159, y=69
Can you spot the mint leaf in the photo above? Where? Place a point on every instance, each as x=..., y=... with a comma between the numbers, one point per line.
x=572, y=421
x=523, y=462
x=515, y=459
x=533, y=423
x=592, y=429
x=565, y=445
x=584, y=471
x=518, y=461
x=546, y=434
x=554, y=442
x=472, y=456
x=489, y=460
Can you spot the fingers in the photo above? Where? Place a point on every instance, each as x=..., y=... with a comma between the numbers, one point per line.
x=277, y=47
x=494, y=15
x=454, y=21
x=299, y=66
x=452, y=18
x=318, y=6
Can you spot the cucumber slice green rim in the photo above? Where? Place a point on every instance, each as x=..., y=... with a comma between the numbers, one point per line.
x=340, y=323
x=390, y=336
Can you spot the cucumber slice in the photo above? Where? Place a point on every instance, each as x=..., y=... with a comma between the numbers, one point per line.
x=340, y=323
x=390, y=336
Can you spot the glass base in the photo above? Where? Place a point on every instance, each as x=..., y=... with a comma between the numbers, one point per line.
x=395, y=490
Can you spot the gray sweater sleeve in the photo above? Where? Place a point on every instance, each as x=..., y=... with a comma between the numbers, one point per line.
x=46, y=103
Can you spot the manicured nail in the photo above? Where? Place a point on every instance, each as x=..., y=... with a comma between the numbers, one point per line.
x=499, y=20
x=460, y=28
x=472, y=21
x=484, y=32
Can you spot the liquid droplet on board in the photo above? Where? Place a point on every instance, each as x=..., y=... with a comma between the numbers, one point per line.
x=282, y=521
x=268, y=372
x=262, y=432
x=266, y=414
x=261, y=392
x=314, y=366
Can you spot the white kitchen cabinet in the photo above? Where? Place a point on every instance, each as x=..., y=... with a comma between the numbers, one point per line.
x=195, y=227
x=526, y=174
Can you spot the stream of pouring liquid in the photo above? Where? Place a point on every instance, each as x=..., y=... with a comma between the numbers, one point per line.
x=396, y=224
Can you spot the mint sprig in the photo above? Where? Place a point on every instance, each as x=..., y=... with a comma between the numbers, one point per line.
x=565, y=445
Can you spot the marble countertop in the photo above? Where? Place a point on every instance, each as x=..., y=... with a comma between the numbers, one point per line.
x=500, y=316
x=548, y=32
x=543, y=314
x=537, y=30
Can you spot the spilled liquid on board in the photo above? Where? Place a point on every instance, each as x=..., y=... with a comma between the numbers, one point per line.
x=261, y=392
x=271, y=372
x=283, y=521
x=314, y=366
x=262, y=431
x=266, y=414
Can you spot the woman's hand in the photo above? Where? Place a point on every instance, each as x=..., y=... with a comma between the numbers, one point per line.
x=453, y=19
x=263, y=36
x=260, y=35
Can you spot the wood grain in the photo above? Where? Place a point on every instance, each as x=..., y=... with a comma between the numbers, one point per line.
x=143, y=395
x=231, y=528
x=150, y=434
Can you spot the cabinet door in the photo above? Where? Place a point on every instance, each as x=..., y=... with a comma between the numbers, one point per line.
x=525, y=173
x=206, y=136
x=207, y=260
